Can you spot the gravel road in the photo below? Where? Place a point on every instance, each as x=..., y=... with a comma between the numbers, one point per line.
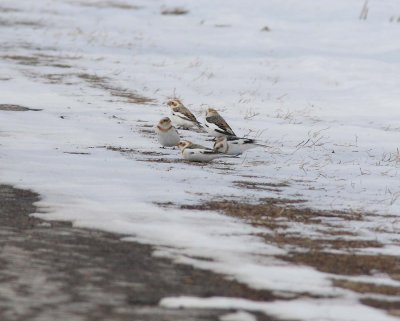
x=50, y=271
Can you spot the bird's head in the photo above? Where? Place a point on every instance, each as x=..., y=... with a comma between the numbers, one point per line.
x=173, y=103
x=165, y=122
x=211, y=112
x=183, y=144
x=221, y=145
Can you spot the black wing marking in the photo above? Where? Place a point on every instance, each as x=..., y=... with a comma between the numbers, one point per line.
x=222, y=125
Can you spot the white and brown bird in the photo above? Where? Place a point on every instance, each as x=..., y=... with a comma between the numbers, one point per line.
x=216, y=125
x=181, y=116
x=233, y=145
x=197, y=153
x=167, y=134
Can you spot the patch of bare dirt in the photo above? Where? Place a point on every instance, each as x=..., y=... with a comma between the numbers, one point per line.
x=347, y=264
x=361, y=287
x=275, y=214
x=318, y=244
x=11, y=107
x=271, y=213
x=392, y=307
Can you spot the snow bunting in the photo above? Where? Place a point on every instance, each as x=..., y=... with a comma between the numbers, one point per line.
x=167, y=134
x=181, y=116
x=197, y=153
x=233, y=145
x=216, y=125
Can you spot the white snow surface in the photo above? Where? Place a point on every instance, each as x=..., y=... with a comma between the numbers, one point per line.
x=321, y=88
x=238, y=316
x=324, y=311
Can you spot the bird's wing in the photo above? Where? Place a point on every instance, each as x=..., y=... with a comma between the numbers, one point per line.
x=220, y=125
x=245, y=141
x=185, y=114
x=196, y=146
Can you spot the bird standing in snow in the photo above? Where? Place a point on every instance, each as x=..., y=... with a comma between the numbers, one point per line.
x=181, y=116
x=233, y=145
x=197, y=153
x=216, y=125
x=167, y=134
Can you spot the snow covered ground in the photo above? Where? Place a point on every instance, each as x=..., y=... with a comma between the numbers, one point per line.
x=320, y=86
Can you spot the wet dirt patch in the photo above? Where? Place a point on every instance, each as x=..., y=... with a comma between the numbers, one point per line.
x=104, y=83
x=50, y=270
x=11, y=107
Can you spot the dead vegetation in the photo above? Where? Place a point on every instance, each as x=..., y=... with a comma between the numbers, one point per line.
x=273, y=187
x=21, y=23
x=7, y=9
x=39, y=60
x=94, y=81
x=133, y=151
x=22, y=60
x=108, y=4
x=104, y=83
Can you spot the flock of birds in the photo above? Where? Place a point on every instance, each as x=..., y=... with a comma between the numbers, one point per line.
x=226, y=143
